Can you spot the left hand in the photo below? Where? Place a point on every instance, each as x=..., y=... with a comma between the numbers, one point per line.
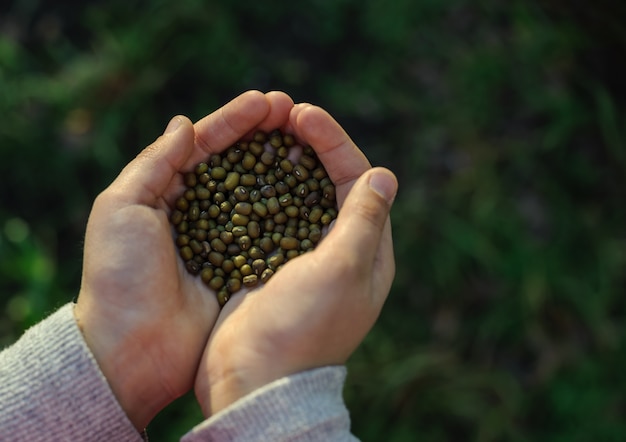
x=144, y=317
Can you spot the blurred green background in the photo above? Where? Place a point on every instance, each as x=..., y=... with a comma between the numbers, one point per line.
x=503, y=120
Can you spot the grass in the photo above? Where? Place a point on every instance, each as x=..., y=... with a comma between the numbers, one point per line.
x=502, y=120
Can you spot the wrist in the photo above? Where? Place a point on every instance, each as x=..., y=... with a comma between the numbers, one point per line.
x=122, y=361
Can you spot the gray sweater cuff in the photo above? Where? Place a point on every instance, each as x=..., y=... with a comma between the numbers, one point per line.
x=307, y=406
x=51, y=388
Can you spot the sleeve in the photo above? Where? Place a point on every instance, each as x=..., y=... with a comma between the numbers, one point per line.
x=51, y=388
x=307, y=406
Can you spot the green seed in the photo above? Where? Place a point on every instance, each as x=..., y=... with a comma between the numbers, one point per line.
x=228, y=265
x=182, y=204
x=281, y=188
x=216, y=259
x=216, y=283
x=260, y=168
x=226, y=206
x=289, y=243
x=218, y=245
x=268, y=191
x=227, y=237
x=258, y=265
x=241, y=193
x=256, y=148
x=256, y=252
x=183, y=227
x=312, y=184
x=254, y=229
x=201, y=168
x=234, y=155
x=282, y=152
x=218, y=173
x=285, y=200
x=182, y=240
x=249, y=160
x=233, y=285
x=266, y=275
x=260, y=137
x=240, y=220
x=302, y=190
x=286, y=165
x=303, y=233
x=301, y=172
x=281, y=218
x=177, y=217
x=247, y=179
x=239, y=261
x=268, y=158
x=250, y=280
x=288, y=140
x=212, y=185
x=204, y=178
x=326, y=203
x=245, y=242
x=206, y=274
x=308, y=161
x=243, y=208
x=222, y=297
x=232, y=180
x=266, y=244
x=239, y=231
x=196, y=247
x=275, y=260
x=312, y=199
x=269, y=225
x=329, y=192
x=227, y=165
x=276, y=138
x=292, y=211
x=246, y=270
x=315, y=235
x=326, y=219
x=260, y=209
x=316, y=214
x=202, y=193
x=319, y=174
x=186, y=253
x=192, y=267
x=273, y=206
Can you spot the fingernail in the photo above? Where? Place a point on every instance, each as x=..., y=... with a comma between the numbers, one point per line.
x=172, y=125
x=384, y=184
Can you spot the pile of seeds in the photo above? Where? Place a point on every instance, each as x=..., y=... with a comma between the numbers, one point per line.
x=246, y=212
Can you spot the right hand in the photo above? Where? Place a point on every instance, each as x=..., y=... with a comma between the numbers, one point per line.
x=320, y=306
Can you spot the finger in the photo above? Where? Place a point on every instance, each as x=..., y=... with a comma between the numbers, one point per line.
x=361, y=236
x=231, y=122
x=342, y=159
x=280, y=106
x=145, y=179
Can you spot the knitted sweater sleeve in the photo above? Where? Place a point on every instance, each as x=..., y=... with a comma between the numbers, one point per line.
x=307, y=406
x=51, y=388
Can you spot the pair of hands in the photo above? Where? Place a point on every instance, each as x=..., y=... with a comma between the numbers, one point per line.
x=156, y=331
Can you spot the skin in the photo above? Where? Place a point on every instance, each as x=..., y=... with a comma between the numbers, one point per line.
x=156, y=331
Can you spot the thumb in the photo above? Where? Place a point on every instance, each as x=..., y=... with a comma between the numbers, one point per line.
x=145, y=179
x=363, y=220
